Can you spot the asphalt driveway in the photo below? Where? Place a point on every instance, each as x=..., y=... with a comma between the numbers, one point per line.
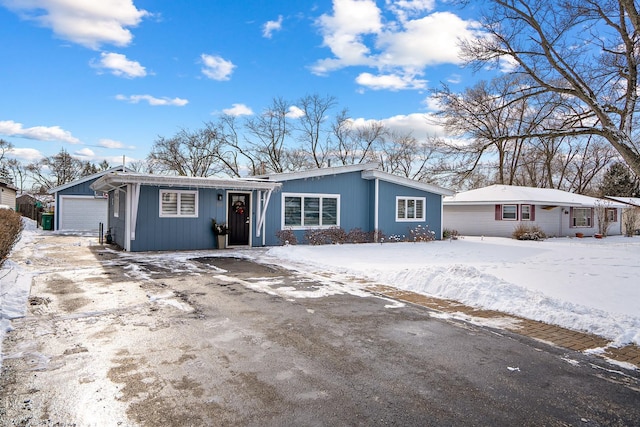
x=117, y=339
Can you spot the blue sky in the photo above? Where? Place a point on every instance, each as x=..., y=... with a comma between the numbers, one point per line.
x=105, y=79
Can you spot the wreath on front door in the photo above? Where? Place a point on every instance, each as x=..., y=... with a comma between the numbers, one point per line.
x=239, y=207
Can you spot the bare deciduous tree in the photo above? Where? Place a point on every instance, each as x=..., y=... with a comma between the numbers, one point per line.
x=313, y=134
x=267, y=134
x=585, y=51
x=188, y=153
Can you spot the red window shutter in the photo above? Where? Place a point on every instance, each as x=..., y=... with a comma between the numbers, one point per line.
x=533, y=213
x=570, y=217
x=498, y=212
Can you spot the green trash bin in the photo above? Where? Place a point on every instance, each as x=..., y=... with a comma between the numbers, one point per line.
x=47, y=221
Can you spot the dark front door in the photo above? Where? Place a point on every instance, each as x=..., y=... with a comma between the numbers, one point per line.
x=239, y=219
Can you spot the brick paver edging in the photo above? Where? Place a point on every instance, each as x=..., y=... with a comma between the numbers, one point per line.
x=556, y=335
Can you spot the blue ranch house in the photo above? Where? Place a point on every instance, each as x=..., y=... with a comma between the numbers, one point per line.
x=156, y=212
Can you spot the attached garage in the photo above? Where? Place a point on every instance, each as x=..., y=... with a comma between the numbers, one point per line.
x=82, y=213
x=78, y=207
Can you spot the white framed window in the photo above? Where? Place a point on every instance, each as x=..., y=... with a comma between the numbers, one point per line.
x=525, y=212
x=410, y=208
x=611, y=214
x=581, y=217
x=178, y=204
x=510, y=212
x=303, y=211
x=116, y=203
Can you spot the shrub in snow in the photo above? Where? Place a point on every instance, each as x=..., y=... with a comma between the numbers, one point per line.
x=450, y=234
x=325, y=236
x=286, y=237
x=357, y=235
x=10, y=229
x=528, y=232
x=421, y=234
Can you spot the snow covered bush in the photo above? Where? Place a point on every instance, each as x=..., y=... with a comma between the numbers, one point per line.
x=421, y=234
x=10, y=229
x=286, y=237
x=528, y=232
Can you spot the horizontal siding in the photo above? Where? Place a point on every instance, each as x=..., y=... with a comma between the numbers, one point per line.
x=479, y=220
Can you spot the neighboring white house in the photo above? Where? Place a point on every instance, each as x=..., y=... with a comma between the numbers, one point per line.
x=497, y=210
x=630, y=215
x=8, y=195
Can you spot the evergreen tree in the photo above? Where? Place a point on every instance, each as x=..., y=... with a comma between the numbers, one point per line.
x=618, y=181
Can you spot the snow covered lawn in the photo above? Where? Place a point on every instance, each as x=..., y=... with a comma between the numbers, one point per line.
x=585, y=284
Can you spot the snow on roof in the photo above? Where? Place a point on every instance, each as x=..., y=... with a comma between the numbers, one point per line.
x=633, y=201
x=318, y=172
x=116, y=179
x=87, y=178
x=502, y=194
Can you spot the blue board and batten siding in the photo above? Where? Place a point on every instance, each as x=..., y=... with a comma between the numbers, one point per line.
x=387, y=193
x=357, y=205
x=155, y=233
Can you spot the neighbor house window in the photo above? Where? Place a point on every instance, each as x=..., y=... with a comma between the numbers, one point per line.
x=611, y=214
x=175, y=203
x=581, y=217
x=510, y=212
x=525, y=213
x=410, y=208
x=116, y=203
x=310, y=210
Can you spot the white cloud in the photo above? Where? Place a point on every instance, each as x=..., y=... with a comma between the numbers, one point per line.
x=344, y=31
x=120, y=66
x=238, y=110
x=28, y=154
x=216, y=67
x=398, y=49
x=85, y=152
x=420, y=125
x=390, y=81
x=41, y=133
x=88, y=23
x=295, y=112
x=112, y=144
x=404, y=9
x=153, y=101
x=270, y=26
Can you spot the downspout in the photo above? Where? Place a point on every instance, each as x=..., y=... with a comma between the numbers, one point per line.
x=376, y=228
x=441, y=216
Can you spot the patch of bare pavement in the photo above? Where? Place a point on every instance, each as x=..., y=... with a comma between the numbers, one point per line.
x=116, y=339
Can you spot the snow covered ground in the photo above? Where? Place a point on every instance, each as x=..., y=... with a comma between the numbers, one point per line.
x=585, y=284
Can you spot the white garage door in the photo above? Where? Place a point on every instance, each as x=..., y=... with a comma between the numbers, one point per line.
x=82, y=213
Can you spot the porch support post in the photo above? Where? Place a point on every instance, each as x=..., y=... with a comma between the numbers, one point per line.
x=262, y=205
x=375, y=213
x=135, y=198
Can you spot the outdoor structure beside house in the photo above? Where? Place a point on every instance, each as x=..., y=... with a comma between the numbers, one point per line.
x=154, y=212
x=32, y=205
x=496, y=210
x=78, y=207
x=8, y=195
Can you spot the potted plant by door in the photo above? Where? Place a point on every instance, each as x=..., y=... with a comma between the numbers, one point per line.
x=220, y=231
